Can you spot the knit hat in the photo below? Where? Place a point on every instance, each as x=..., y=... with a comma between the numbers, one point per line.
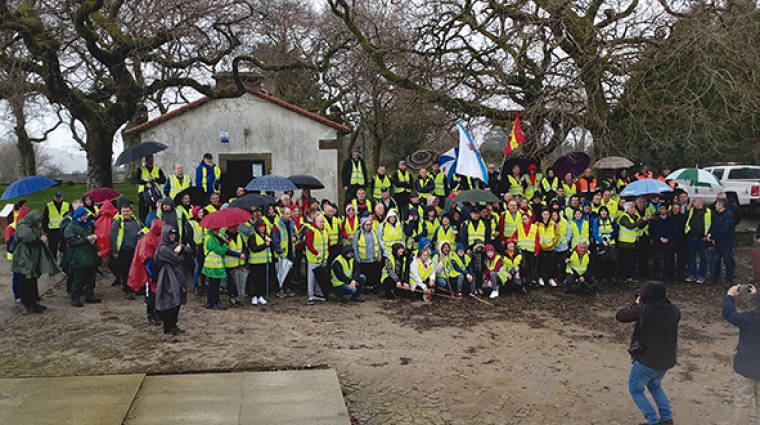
x=79, y=212
x=490, y=248
x=195, y=211
x=349, y=207
x=347, y=250
x=460, y=246
x=124, y=202
x=652, y=292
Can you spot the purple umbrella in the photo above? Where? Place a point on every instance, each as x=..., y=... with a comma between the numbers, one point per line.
x=574, y=163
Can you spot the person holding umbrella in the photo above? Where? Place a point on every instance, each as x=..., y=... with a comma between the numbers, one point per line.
x=176, y=182
x=148, y=176
x=208, y=175
x=52, y=218
x=83, y=259
x=31, y=258
x=354, y=173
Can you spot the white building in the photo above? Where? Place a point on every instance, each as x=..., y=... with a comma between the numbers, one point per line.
x=250, y=135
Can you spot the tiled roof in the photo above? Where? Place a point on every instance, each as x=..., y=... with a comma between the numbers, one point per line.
x=194, y=104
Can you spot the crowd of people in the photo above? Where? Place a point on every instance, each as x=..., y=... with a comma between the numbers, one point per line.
x=398, y=234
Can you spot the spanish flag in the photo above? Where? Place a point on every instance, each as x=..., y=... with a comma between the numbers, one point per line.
x=516, y=137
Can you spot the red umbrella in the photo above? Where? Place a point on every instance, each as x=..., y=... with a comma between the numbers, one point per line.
x=227, y=217
x=103, y=194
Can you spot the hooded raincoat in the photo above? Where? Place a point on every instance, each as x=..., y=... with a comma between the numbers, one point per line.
x=31, y=257
x=171, y=291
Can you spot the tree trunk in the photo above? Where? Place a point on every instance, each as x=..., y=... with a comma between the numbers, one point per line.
x=24, y=142
x=99, y=150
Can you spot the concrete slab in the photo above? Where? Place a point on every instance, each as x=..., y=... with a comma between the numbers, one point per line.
x=288, y=397
x=78, y=400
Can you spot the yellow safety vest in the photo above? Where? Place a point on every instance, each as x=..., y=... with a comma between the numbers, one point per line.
x=606, y=229
x=333, y=229
x=569, y=190
x=476, y=234
x=447, y=235
x=176, y=185
x=120, y=233
x=357, y=176
x=527, y=241
x=55, y=217
x=146, y=175
x=708, y=220
x=180, y=226
x=424, y=272
x=235, y=245
x=367, y=202
x=204, y=177
x=392, y=235
x=362, y=245
x=446, y=272
x=210, y=208
x=423, y=182
x=515, y=185
x=547, y=186
x=510, y=224
x=432, y=226
x=348, y=270
x=579, y=235
x=262, y=257
x=350, y=230
x=628, y=235
x=562, y=231
x=440, y=184
x=213, y=260
x=511, y=263
x=530, y=189
x=612, y=207
x=410, y=240
x=577, y=265
x=321, y=240
x=379, y=184
x=463, y=263
x=9, y=255
x=197, y=232
x=491, y=263
x=546, y=235
x=403, y=177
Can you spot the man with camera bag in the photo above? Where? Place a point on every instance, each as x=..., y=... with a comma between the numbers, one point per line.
x=653, y=349
x=746, y=364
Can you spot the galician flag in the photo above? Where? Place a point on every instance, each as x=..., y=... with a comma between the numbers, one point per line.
x=469, y=161
x=516, y=137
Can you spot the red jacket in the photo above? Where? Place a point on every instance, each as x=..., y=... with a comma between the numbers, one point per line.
x=144, y=250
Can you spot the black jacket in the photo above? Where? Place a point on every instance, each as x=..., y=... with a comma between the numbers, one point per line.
x=747, y=358
x=345, y=174
x=656, y=329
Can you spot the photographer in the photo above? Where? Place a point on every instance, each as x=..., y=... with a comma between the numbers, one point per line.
x=653, y=349
x=747, y=352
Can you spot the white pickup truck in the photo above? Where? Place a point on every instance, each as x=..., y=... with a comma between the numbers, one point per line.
x=743, y=180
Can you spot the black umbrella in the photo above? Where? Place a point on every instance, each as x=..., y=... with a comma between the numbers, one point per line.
x=252, y=200
x=138, y=152
x=574, y=163
x=198, y=196
x=306, y=182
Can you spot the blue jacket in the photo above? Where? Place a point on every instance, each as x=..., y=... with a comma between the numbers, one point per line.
x=210, y=177
x=722, y=229
x=747, y=358
x=663, y=228
x=595, y=230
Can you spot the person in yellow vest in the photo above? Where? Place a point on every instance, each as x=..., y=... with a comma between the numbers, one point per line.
x=199, y=239
x=285, y=238
x=235, y=265
x=549, y=185
x=152, y=178
x=387, y=201
x=431, y=222
x=424, y=186
x=88, y=203
x=415, y=230
x=528, y=243
x=380, y=182
x=378, y=217
x=461, y=271
x=440, y=185
x=345, y=276
x=604, y=230
x=508, y=222
x=317, y=244
x=611, y=202
x=416, y=205
x=442, y=264
x=580, y=228
x=568, y=184
x=126, y=230
x=395, y=274
x=628, y=235
x=562, y=247
x=391, y=232
x=332, y=224
x=176, y=182
x=515, y=182
x=208, y=175
x=698, y=224
x=445, y=231
x=548, y=235
x=577, y=268
x=349, y=226
x=52, y=218
x=213, y=267
x=240, y=192
x=214, y=203
x=531, y=181
x=260, y=262
x=369, y=252
x=422, y=271
x=403, y=184
x=354, y=173
x=361, y=203
x=499, y=272
x=185, y=208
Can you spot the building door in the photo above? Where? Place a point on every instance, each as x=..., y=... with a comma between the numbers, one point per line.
x=239, y=169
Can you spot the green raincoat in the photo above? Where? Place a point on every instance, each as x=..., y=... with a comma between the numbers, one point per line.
x=32, y=258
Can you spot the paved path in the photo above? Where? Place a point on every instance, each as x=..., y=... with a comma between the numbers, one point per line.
x=245, y=398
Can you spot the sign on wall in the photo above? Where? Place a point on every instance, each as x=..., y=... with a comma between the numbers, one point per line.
x=224, y=137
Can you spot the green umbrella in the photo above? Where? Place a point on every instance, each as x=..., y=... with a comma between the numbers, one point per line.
x=695, y=177
x=476, y=195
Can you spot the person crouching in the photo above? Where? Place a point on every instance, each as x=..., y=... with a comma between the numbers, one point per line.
x=577, y=267
x=345, y=276
x=422, y=271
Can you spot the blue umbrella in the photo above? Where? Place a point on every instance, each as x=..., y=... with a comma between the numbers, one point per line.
x=26, y=186
x=645, y=187
x=270, y=183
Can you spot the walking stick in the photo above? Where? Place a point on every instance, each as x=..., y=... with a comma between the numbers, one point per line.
x=481, y=300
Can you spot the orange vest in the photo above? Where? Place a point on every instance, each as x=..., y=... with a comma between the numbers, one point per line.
x=584, y=185
x=640, y=176
x=671, y=183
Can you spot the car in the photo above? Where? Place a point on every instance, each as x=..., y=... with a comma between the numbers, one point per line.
x=739, y=180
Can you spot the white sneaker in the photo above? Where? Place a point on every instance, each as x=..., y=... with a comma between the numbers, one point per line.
x=552, y=283
x=494, y=293
x=541, y=281
x=254, y=300
x=263, y=301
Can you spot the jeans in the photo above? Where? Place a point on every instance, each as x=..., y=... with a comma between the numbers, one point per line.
x=640, y=377
x=727, y=255
x=344, y=289
x=442, y=282
x=697, y=247
x=196, y=273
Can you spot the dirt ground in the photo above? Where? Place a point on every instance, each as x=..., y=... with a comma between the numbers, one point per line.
x=545, y=358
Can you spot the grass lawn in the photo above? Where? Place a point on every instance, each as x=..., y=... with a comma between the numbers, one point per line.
x=70, y=193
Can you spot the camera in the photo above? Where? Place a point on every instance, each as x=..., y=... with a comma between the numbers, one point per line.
x=744, y=288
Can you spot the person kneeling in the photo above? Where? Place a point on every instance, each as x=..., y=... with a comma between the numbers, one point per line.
x=396, y=271
x=501, y=271
x=422, y=272
x=346, y=279
x=577, y=267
